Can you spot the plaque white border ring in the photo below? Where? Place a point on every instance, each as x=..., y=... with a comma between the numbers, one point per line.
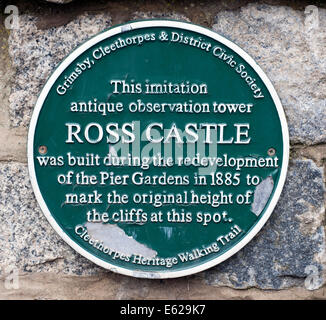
x=139, y=25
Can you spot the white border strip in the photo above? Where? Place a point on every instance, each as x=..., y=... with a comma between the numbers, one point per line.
x=139, y=25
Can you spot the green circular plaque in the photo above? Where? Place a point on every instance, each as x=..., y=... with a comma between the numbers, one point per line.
x=158, y=149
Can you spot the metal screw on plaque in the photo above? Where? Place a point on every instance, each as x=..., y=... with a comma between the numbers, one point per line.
x=42, y=149
x=271, y=152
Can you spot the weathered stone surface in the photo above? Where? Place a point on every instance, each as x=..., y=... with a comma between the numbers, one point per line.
x=12, y=140
x=57, y=286
x=292, y=243
x=290, y=46
x=27, y=241
x=60, y=1
x=42, y=286
x=35, y=53
x=140, y=15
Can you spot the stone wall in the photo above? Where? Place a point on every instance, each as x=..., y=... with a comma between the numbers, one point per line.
x=286, y=259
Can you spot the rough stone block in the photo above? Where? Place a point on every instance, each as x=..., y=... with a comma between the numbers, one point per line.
x=291, y=48
x=291, y=246
x=27, y=241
